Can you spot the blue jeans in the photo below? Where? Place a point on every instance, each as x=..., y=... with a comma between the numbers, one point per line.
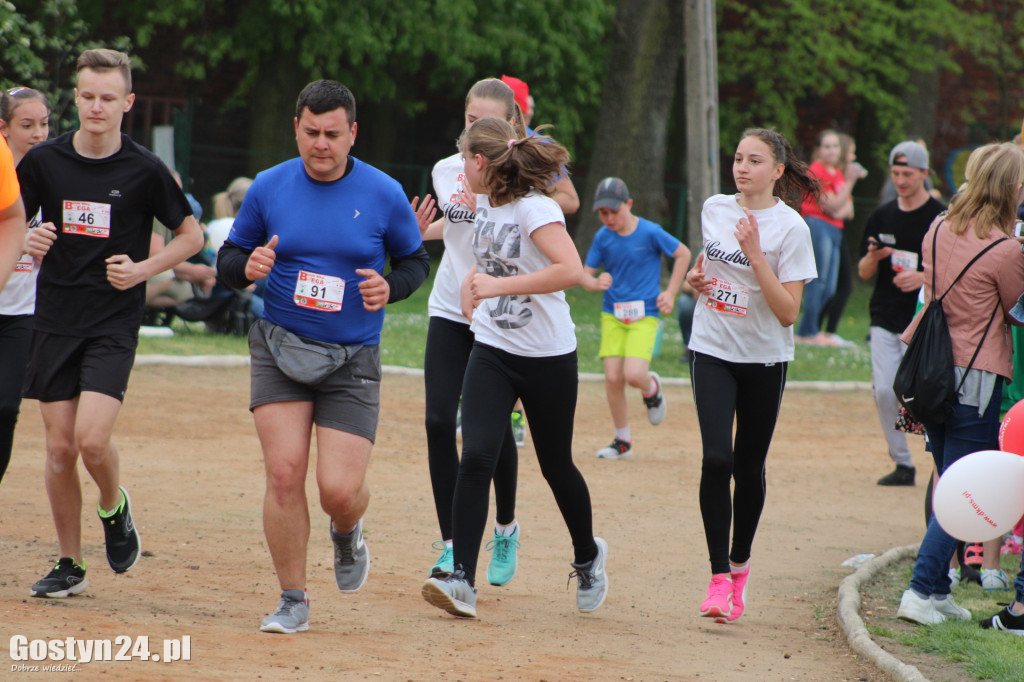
x=963, y=433
x=827, y=239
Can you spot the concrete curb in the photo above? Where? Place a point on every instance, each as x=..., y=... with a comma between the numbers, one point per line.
x=243, y=360
x=849, y=615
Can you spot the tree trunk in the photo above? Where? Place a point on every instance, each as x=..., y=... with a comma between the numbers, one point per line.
x=272, y=134
x=636, y=101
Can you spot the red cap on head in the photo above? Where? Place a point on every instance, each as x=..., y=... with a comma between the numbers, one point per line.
x=520, y=91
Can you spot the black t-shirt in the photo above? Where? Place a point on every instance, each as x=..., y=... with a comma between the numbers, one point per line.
x=892, y=309
x=101, y=208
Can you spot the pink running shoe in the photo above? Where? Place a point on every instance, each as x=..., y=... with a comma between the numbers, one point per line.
x=1012, y=545
x=718, y=605
x=739, y=592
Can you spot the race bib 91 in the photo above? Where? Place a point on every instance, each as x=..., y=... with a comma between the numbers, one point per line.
x=319, y=292
x=89, y=218
x=728, y=297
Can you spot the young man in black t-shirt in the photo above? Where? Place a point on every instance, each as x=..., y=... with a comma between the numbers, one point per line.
x=99, y=192
x=892, y=250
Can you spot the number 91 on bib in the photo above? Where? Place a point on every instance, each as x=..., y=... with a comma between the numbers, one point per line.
x=319, y=292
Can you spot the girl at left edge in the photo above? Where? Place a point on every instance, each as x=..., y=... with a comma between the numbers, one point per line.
x=24, y=123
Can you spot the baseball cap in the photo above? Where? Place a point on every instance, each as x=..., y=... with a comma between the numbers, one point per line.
x=916, y=155
x=520, y=91
x=611, y=193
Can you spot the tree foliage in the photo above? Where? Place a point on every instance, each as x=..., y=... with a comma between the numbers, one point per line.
x=773, y=55
x=398, y=50
x=40, y=42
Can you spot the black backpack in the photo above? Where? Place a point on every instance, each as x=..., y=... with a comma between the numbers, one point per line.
x=925, y=382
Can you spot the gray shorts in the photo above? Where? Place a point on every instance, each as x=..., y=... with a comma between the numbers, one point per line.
x=348, y=399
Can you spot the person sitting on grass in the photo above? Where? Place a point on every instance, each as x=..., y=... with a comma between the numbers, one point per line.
x=630, y=249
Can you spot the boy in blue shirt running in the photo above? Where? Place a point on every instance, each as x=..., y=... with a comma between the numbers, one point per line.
x=629, y=248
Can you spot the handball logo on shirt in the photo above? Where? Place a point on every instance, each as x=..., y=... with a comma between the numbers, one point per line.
x=457, y=213
x=713, y=251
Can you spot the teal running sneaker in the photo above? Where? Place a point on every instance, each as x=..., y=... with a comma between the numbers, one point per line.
x=502, y=567
x=519, y=428
x=445, y=563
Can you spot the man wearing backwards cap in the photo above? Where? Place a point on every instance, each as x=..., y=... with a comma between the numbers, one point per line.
x=892, y=250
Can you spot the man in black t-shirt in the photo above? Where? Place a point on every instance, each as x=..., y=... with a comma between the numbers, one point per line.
x=99, y=192
x=892, y=250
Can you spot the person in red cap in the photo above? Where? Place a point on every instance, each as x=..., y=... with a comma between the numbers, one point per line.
x=565, y=193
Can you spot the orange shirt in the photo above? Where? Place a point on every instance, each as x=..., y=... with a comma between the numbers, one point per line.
x=9, y=188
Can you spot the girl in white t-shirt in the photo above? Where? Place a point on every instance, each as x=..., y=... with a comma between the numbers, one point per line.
x=755, y=260
x=525, y=347
x=24, y=123
x=449, y=342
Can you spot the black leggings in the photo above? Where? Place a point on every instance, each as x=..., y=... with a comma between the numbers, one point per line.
x=547, y=387
x=448, y=346
x=15, y=343
x=752, y=393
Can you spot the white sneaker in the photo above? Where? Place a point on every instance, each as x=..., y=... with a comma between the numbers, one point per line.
x=949, y=609
x=919, y=609
x=655, y=405
x=994, y=579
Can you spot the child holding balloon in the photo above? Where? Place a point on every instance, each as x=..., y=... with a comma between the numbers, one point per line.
x=976, y=310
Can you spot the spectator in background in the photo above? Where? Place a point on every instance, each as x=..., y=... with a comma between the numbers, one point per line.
x=195, y=276
x=824, y=215
x=977, y=311
x=832, y=313
x=892, y=254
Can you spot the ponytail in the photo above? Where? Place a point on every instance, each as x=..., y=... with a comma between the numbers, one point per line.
x=516, y=165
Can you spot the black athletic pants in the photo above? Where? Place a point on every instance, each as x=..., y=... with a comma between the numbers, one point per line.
x=547, y=387
x=448, y=346
x=15, y=343
x=750, y=393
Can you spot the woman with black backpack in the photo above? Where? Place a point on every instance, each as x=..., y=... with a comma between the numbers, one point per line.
x=976, y=298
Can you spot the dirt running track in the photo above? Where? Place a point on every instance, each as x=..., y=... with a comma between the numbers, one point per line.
x=192, y=464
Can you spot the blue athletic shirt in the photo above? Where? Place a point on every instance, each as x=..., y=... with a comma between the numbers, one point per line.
x=328, y=230
x=634, y=262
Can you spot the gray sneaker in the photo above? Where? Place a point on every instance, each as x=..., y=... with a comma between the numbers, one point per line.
x=655, y=405
x=292, y=614
x=351, y=558
x=592, y=580
x=453, y=594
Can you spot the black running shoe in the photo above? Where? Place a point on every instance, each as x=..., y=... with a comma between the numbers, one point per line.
x=123, y=543
x=1005, y=621
x=66, y=578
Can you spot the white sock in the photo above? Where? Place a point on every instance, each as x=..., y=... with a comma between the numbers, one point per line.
x=624, y=434
x=652, y=387
x=505, y=530
x=739, y=569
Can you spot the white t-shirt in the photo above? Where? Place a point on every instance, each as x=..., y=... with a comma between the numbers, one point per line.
x=538, y=325
x=19, y=294
x=735, y=323
x=217, y=231
x=458, y=236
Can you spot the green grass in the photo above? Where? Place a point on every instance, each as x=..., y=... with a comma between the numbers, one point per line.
x=405, y=334
x=983, y=654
